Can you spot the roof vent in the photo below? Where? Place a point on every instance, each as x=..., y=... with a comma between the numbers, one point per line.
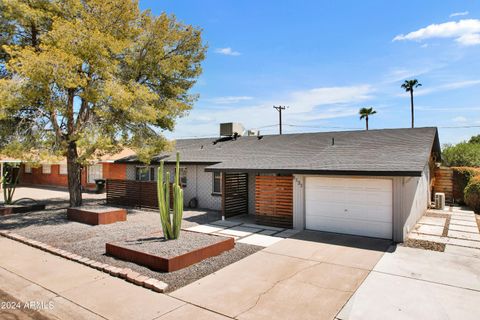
x=333, y=141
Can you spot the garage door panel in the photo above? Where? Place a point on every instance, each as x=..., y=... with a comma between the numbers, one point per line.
x=348, y=205
x=361, y=227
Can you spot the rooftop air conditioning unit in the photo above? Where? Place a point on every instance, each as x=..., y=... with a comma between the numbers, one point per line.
x=228, y=129
x=440, y=200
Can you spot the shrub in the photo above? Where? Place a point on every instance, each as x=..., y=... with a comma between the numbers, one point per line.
x=472, y=194
x=461, y=178
x=463, y=154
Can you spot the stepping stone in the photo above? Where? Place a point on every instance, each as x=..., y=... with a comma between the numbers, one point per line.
x=287, y=233
x=239, y=231
x=428, y=229
x=260, y=240
x=462, y=251
x=268, y=232
x=226, y=223
x=464, y=235
x=259, y=226
x=457, y=227
x=463, y=218
x=463, y=243
x=433, y=221
x=463, y=223
x=206, y=228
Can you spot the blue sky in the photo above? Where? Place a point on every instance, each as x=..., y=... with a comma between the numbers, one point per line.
x=327, y=59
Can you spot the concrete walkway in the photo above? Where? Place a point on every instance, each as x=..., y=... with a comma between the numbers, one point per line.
x=245, y=231
x=309, y=277
x=458, y=229
x=62, y=289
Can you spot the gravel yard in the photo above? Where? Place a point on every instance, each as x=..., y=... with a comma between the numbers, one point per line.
x=52, y=227
x=157, y=245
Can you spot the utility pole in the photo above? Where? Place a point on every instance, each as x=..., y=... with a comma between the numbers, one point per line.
x=279, y=109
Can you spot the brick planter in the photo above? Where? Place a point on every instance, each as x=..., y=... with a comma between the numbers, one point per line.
x=170, y=264
x=96, y=215
x=21, y=209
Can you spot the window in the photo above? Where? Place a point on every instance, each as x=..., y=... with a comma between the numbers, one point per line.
x=46, y=169
x=183, y=177
x=63, y=169
x=145, y=173
x=217, y=182
x=95, y=172
x=28, y=168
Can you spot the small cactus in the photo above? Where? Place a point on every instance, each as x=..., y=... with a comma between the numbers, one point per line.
x=170, y=225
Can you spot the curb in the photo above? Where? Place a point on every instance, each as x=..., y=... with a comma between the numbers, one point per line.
x=126, y=274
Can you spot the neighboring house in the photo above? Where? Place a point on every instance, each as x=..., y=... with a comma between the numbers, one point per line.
x=55, y=173
x=372, y=183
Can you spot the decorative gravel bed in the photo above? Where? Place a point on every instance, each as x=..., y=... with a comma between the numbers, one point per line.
x=423, y=244
x=52, y=227
x=157, y=245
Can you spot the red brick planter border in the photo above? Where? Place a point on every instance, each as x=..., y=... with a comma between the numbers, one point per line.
x=169, y=264
x=21, y=209
x=96, y=218
x=125, y=273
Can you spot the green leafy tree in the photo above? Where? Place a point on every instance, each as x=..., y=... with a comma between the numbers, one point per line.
x=409, y=86
x=462, y=155
x=365, y=113
x=475, y=139
x=80, y=78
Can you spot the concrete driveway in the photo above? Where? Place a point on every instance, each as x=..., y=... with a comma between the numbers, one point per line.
x=310, y=276
x=418, y=284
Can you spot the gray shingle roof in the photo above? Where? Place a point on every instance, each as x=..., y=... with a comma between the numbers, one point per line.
x=375, y=152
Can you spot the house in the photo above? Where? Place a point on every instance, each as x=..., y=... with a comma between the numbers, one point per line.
x=55, y=173
x=373, y=183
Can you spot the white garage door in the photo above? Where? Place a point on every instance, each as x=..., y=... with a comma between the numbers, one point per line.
x=347, y=205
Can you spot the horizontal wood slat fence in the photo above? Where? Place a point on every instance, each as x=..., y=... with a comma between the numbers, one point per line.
x=235, y=194
x=274, y=200
x=444, y=182
x=132, y=193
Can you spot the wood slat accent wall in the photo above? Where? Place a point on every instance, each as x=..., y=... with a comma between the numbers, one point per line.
x=444, y=182
x=235, y=194
x=274, y=200
x=131, y=193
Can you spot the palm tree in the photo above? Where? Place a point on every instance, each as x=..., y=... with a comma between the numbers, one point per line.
x=365, y=113
x=409, y=85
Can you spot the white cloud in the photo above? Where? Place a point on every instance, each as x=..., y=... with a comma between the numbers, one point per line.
x=466, y=32
x=448, y=86
x=459, y=14
x=459, y=119
x=229, y=99
x=227, y=51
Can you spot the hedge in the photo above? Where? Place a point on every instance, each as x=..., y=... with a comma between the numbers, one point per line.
x=472, y=194
x=461, y=178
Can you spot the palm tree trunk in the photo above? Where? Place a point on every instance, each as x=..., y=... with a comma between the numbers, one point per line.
x=366, y=121
x=411, y=106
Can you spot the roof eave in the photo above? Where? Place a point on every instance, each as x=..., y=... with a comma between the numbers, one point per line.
x=322, y=172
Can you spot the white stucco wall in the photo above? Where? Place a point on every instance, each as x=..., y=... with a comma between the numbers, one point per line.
x=415, y=199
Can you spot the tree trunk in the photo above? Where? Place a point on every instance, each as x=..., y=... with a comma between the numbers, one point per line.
x=411, y=105
x=366, y=121
x=74, y=170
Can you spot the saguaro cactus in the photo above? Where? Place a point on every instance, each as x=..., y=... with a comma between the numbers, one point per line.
x=171, y=218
